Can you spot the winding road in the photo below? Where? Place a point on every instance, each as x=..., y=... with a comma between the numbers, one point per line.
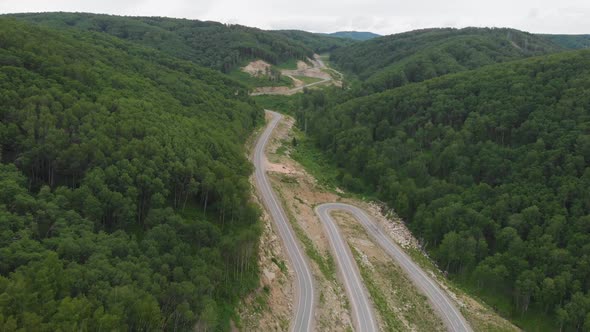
x=362, y=313
x=446, y=309
x=361, y=307
x=305, y=297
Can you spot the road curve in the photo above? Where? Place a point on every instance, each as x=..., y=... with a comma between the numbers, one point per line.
x=362, y=313
x=448, y=312
x=305, y=297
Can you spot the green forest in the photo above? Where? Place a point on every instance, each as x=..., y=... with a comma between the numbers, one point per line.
x=491, y=170
x=125, y=201
x=210, y=44
x=317, y=42
x=570, y=41
x=392, y=61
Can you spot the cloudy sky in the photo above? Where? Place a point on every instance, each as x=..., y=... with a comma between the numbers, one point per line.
x=380, y=16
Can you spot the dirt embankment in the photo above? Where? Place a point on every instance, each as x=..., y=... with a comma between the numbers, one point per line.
x=258, y=68
x=270, y=307
x=312, y=68
x=332, y=311
x=305, y=69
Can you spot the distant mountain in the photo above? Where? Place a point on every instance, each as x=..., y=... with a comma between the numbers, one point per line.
x=570, y=41
x=392, y=61
x=355, y=35
x=211, y=44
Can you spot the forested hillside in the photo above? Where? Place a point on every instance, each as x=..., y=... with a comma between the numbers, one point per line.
x=319, y=43
x=570, y=41
x=491, y=169
x=395, y=60
x=125, y=201
x=209, y=44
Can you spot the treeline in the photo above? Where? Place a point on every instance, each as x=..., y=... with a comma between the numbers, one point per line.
x=125, y=200
x=354, y=35
x=210, y=44
x=491, y=169
x=393, y=61
x=570, y=41
x=319, y=43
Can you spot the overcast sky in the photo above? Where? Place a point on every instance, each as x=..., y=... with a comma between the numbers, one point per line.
x=380, y=16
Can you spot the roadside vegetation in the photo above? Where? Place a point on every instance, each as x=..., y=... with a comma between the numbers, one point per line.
x=308, y=80
x=271, y=79
x=325, y=262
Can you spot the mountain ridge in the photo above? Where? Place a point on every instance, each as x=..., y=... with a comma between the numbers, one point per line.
x=354, y=35
x=391, y=61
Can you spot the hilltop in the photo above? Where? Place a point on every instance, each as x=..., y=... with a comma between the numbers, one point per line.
x=205, y=43
x=354, y=35
x=392, y=61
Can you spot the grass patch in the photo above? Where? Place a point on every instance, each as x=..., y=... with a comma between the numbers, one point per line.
x=308, y=80
x=291, y=64
x=325, y=264
x=256, y=82
x=281, y=264
x=260, y=303
x=284, y=178
x=282, y=150
x=325, y=57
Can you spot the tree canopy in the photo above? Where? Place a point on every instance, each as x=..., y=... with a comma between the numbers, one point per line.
x=490, y=167
x=354, y=35
x=570, y=41
x=125, y=201
x=392, y=61
x=210, y=44
x=319, y=43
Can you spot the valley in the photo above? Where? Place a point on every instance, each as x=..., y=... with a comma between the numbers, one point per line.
x=177, y=174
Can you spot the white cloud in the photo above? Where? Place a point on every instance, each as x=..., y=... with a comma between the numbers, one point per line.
x=381, y=16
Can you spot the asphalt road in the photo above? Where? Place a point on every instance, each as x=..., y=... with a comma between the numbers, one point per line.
x=443, y=305
x=362, y=313
x=305, y=297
